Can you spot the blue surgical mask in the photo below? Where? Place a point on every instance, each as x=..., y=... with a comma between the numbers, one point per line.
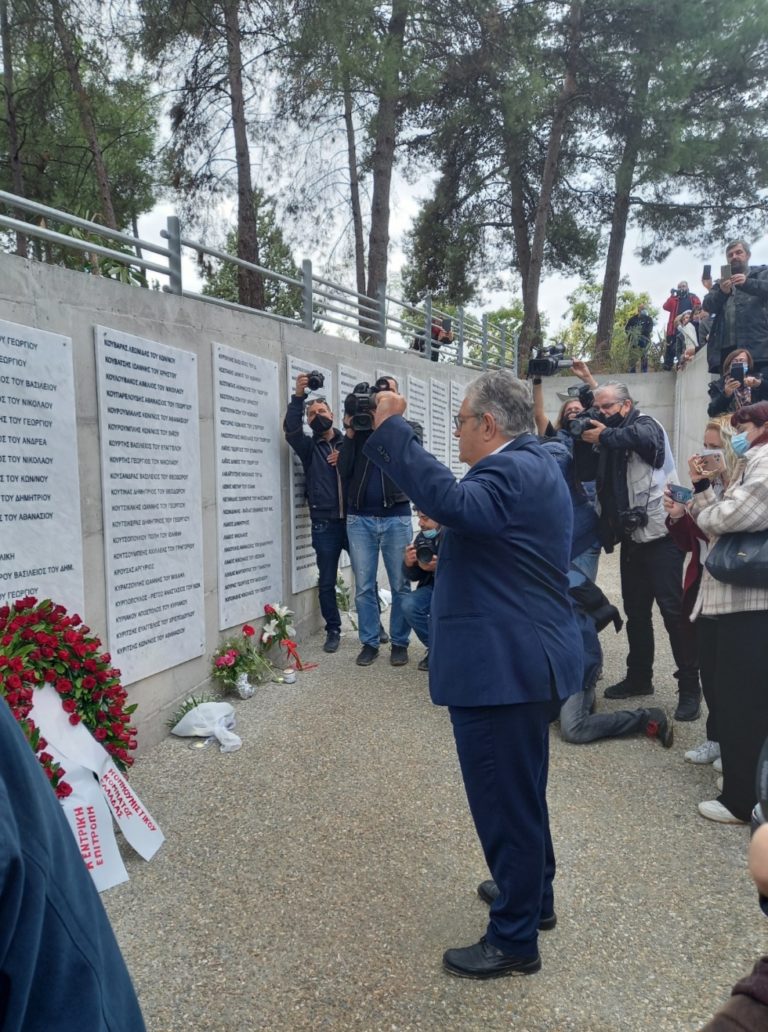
x=429, y=533
x=741, y=443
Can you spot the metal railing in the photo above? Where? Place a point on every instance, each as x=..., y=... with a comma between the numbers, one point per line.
x=384, y=321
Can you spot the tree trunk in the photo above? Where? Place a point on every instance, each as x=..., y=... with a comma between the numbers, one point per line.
x=14, y=146
x=384, y=148
x=86, y=115
x=625, y=175
x=250, y=284
x=354, y=188
x=529, y=331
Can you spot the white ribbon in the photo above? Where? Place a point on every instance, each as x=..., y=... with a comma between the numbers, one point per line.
x=87, y=808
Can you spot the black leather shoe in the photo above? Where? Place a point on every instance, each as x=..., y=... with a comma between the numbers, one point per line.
x=688, y=707
x=488, y=892
x=424, y=663
x=625, y=690
x=485, y=961
x=367, y=655
x=332, y=640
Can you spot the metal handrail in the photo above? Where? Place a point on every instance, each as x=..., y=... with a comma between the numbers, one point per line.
x=322, y=300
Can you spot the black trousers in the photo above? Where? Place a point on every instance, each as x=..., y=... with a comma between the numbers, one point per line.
x=653, y=572
x=706, y=628
x=736, y=655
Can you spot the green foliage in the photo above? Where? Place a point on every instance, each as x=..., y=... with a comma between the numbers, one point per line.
x=56, y=160
x=221, y=277
x=580, y=333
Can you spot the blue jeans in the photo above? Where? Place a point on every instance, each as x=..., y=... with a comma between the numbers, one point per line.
x=587, y=561
x=578, y=724
x=329, y=537
x=416, y=606
x=369, y=535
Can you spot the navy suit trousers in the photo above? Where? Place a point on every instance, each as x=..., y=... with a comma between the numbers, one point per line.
x=504, y=757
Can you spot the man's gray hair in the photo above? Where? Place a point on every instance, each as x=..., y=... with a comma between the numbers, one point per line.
x=619, y=390
x=504, y=397
x=735, y=243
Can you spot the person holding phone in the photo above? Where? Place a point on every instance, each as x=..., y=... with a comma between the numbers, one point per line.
x=716, y=464
x=739, y=304
x=680, y=300
x=737, y=386
x=733, y=646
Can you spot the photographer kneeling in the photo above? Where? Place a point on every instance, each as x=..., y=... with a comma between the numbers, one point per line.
x=419, y=564
x=633, y=465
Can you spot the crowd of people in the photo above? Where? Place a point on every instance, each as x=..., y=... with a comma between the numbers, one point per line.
x=552, y=497
x=734, y=308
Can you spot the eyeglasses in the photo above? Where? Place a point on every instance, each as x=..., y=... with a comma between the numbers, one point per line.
x=459, y=421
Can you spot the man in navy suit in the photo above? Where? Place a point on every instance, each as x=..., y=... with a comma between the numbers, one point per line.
x=505, y=649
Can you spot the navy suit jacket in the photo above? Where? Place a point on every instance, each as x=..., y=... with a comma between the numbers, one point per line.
x=502, y=627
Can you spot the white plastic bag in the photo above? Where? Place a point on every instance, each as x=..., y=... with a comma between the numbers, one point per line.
x=210, y=718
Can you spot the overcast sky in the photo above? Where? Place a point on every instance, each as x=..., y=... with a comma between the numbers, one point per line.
x=656, y=279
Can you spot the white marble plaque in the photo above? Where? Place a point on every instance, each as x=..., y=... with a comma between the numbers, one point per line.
x=418, y=406
x=42, y=547
x=303, y=564
x=457, y=396
x=150, y=469
x=249, y=509
x=439, y=420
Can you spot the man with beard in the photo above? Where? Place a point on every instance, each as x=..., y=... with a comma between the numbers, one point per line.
x=633, y=467
x=739, y=304
x=680, y=300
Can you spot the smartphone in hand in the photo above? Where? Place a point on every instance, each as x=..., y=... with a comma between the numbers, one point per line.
x=679, y=493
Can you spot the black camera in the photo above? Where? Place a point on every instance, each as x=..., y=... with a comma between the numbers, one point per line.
x=359, y=405
x=583, y=421
x=673, y=292
x=315, y=380
x=633, y=519
x=426, y=548
x=547, y=361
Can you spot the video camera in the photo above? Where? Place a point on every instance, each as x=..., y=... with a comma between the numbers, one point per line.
x=359, y=405
x=583, y=421
x=547, y=361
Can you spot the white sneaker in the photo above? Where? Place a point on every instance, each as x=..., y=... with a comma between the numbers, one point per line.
x=718, y=765
x=719, y=783
x=715, y=811
x=707, y=752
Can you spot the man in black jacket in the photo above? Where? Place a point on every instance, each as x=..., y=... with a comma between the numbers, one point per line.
x=378, y=523
x=319, y=456
x=739, y=304
x=634, y=465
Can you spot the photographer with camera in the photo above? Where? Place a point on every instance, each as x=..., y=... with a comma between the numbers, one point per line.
x=738, y=386
x=440, y=333
x=633, y=465
x=739, y=304
x=420, y=563
x=319, y=456
x=378, y=523
x=680, y=300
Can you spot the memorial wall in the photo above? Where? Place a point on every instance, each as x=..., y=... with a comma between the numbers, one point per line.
x=144, y=478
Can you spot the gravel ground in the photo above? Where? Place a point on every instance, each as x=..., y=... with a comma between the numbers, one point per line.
x=312, y=880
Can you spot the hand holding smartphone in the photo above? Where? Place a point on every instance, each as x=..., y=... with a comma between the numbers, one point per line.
x=680, y=494
x=710, y=462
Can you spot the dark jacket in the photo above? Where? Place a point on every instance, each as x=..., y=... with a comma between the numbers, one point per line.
x=584, y=516
x=324, y=492
x=640, y=434
x=740, y=319
x=357, y=470
x=496, y=640
x=720, y=402
x=639, y=329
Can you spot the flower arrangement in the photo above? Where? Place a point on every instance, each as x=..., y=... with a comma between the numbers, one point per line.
x=40, y=643
x=278, y=626
x=238, y=657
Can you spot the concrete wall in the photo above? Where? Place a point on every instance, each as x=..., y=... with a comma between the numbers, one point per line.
x=654, y=393
x=54, y=299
